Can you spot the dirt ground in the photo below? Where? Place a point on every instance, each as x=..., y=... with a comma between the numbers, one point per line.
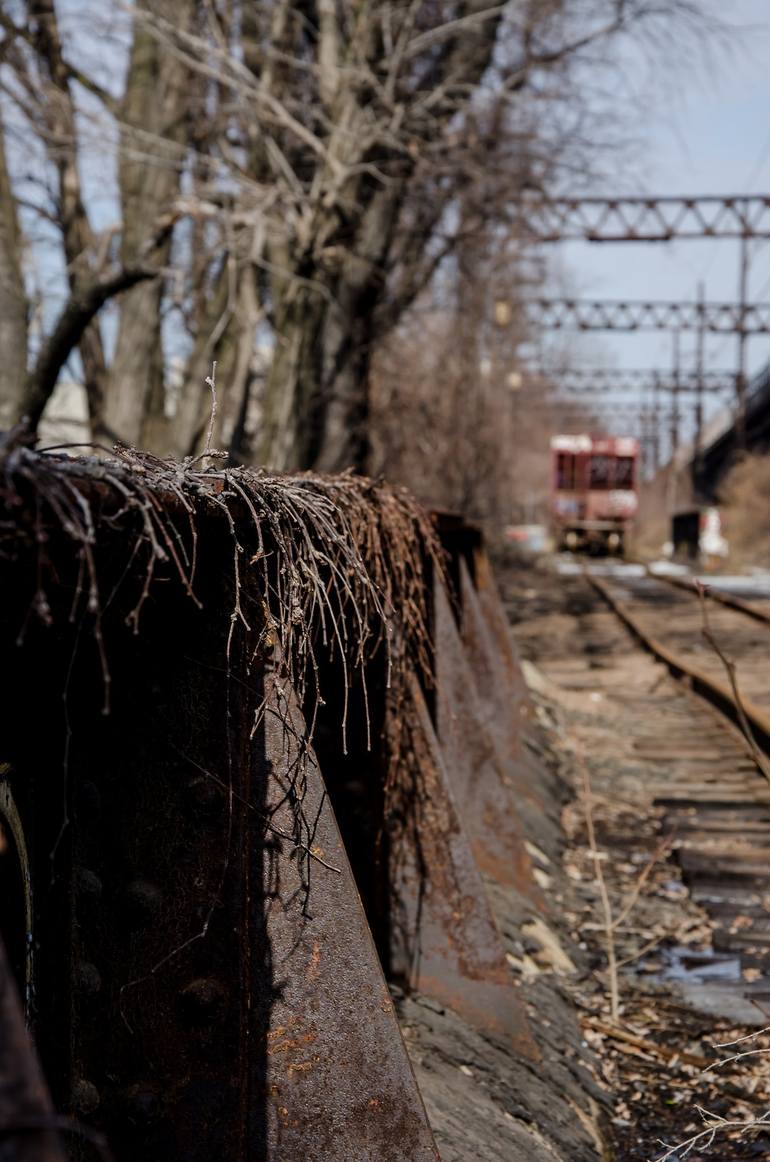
x=619, y=730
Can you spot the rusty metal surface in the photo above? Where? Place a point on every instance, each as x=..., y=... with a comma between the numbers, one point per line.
x=338, y=1078
x=505, y=703
x=474, y=768
x=25, y=1105
x=445, y=940
x=205, y=981
x=496, y=620
x=191, y=997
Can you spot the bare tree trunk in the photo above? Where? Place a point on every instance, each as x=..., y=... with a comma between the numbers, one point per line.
x=13, y=305
x=316, y=395
x=77, y=236
x=151, y=158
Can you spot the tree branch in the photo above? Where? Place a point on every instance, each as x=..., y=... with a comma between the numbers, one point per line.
x=83, y=305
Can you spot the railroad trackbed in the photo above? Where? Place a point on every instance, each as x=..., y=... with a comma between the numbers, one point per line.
x=716, y=795
x=714, y=640
x=675, y=791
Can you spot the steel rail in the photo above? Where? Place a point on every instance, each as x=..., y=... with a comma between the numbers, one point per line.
x=690, y=585
x=717, y=693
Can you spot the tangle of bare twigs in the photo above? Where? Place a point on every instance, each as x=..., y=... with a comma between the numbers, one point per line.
x=322, y=568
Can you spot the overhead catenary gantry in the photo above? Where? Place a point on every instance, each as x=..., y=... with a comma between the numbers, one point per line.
x=608, y=381
x=644, y=219
x=638, y=315
x=656, y=219
x=643, y=419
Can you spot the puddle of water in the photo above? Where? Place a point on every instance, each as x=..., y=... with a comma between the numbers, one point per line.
x=709, y=982
x=684, y=965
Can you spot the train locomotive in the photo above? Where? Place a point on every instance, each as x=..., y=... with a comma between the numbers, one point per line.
x=594, y=495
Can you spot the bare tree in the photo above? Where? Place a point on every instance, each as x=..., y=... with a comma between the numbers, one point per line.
x=13, y=303
x=288, y=175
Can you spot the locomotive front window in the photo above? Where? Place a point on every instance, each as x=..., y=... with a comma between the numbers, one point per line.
x=600, y=473
x=565, y=471
x=624, y=472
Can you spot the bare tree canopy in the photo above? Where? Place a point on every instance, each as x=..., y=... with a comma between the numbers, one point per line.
x=269, y=186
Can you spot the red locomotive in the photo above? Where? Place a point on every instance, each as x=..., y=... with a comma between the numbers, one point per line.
x=593, y=491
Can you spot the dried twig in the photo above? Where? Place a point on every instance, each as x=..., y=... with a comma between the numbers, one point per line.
x=211, y=381
x=714, y=1124
x=323, y=570
x=609, y=927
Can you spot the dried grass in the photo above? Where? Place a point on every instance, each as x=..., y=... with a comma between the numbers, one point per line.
x=745, y=502
x=323, y=569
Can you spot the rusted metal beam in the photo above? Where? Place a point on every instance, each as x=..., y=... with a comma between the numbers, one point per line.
x=338, y=1080
x=27, y=1119
x=445, y=941
x=494, y=616
x=475, y=769
x=205, y=982
x=501, y=688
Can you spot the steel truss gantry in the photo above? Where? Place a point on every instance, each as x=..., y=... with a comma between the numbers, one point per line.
x=645, y=219
x=629, y=315
x=607, y=381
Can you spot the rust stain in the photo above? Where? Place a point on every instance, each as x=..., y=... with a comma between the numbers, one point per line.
x=294, y=1043
x=314, y=968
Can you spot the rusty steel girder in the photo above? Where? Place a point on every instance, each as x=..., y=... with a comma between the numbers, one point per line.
x=444, y=939
x=475, y=767
x=205, y=982
x=28, y=1130
x=499, y=681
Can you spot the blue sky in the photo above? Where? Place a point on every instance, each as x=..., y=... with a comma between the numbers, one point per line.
x=703, y=127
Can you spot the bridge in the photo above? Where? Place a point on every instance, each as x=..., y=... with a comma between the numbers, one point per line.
x=720, y=444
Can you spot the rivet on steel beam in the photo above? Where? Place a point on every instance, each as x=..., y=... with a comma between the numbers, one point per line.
x=88, y=802
x=142, y=902
x=88, y=884
x=85, y=1097
x=88, y=980
x=205, y=797
x=202, y=1001
x=140, y=1104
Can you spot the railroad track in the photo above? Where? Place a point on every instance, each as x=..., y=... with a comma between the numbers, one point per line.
x=717, y=642
x=713, y=786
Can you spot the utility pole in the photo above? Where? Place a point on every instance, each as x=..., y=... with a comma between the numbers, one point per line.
x=675, y=398
x=699, y=371
x=656, y=424
x=740, y=379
